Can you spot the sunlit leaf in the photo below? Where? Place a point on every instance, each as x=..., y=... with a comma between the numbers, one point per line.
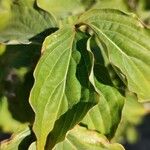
x=56, y=87
x=89, y=96
x=80, y=138
x=127, y=47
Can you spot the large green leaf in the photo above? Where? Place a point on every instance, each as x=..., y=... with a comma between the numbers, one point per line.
x=126, y=44
x=89, y=97
x=106, y=115
x=61, y=8
x=18, y=25
x=80, y=138
x=19, y=140
x=56, y=87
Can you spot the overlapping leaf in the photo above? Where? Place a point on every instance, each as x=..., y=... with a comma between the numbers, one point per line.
x=18, y=25
x=56, y=87
x=106, y=115
x=89, y=97
x=126, y=46
x=80, y=138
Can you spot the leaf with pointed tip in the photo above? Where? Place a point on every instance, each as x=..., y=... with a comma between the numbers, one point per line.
x=18, y=26
x=80, y=138
x=127, y=46
x=56, y=88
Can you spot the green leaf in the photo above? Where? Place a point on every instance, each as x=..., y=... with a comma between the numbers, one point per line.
x=126, y=44
x=4, y=13
x=61, y=8
x=89, y=97
x=106, y=115
x=80, y=138
x=19, y=140
x=56, y=87
x=18, y=26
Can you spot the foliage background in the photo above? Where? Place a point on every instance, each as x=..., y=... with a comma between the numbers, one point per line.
x=17, y=63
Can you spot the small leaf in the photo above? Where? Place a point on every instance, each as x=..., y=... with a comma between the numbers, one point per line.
x=19, y=26
x=80, y=138
x=56, y=88
x=20, y=140
x=126, y=44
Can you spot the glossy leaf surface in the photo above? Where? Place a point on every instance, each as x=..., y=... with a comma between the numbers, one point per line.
x=89, y=96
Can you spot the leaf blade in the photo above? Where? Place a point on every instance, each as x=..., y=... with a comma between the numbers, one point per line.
x=127, y=46
x=64, y=89
x=20, y=27
x=81, y=138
